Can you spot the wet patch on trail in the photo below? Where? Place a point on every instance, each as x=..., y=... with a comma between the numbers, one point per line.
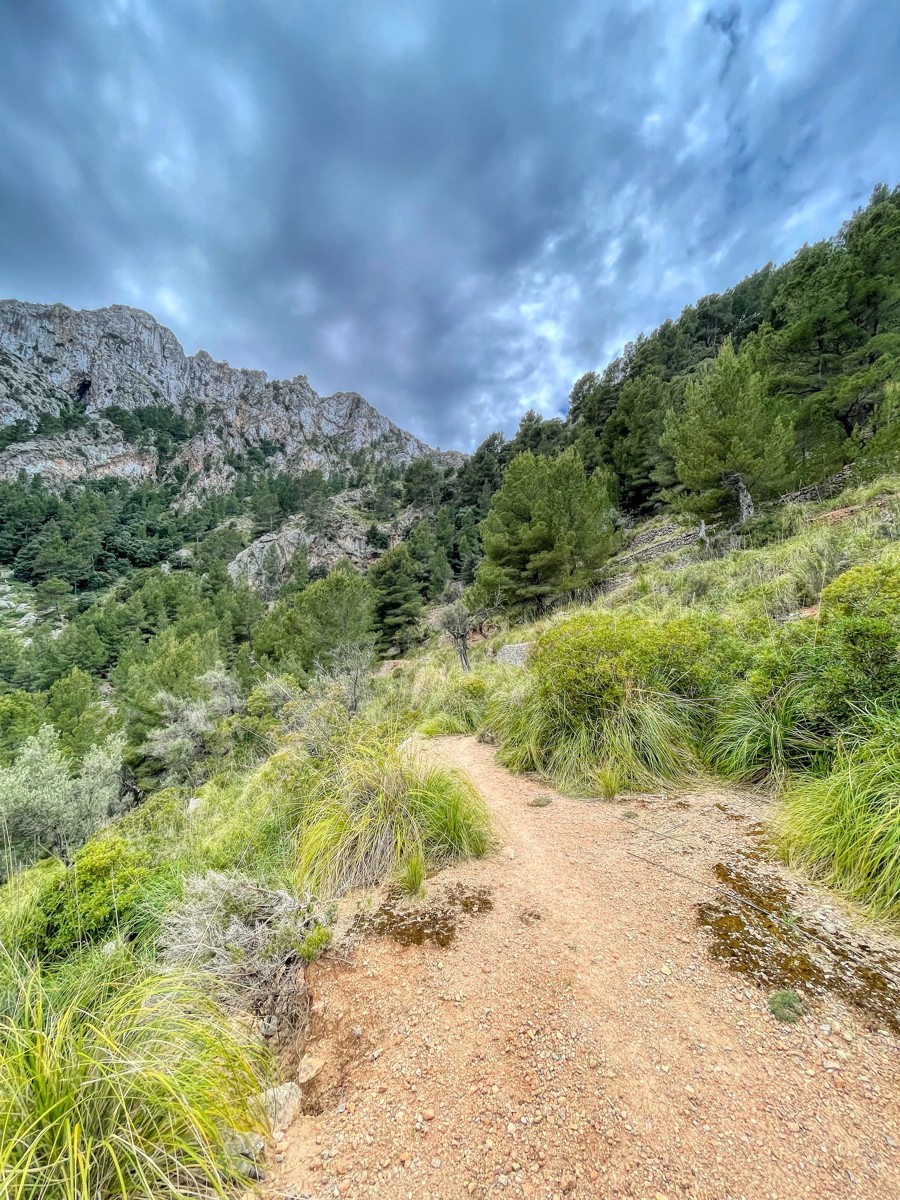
x=435, y=923
x=754, y=931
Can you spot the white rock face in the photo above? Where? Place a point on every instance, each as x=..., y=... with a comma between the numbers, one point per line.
x=122, y=356
x=95, y=452
x=266, y=563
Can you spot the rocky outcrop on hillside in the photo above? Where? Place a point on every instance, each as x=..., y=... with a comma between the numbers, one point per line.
x=94, y=452
x=53, y=356
x=266, y=563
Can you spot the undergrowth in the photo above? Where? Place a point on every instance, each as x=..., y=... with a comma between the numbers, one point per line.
x=119, y=1081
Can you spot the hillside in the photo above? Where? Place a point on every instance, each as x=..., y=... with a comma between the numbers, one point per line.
x=112, y=377
x=383, y=822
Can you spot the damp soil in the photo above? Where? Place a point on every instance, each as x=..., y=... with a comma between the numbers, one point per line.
x=434, y=923
x=754, y=931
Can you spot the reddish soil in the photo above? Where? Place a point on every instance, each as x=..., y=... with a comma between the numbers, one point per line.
x=579, y=1039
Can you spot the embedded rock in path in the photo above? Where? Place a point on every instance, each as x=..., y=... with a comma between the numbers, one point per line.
x=282, y=1103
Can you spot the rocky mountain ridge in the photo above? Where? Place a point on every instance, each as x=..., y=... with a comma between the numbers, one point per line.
x=56, y=361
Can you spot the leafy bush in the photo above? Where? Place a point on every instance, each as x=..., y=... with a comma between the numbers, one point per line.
x=844, y=827
x=119, y=1081
x=44, y=808
x=609, y=697
x=361, y=813
x=90, y=901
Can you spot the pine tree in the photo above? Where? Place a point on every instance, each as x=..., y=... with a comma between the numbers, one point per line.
x=398, y=600
x=548, y=531
x=727, y=443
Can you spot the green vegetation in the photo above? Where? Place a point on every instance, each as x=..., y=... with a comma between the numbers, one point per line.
x=119, y=1081
x=843, y=825
x=548, y=530
x=787, y=1006
x=191, y=771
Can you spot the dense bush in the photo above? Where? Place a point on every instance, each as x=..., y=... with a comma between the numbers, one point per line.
x=90, y=901
x=613, y=697
x=119, y=1081
x=47, y=809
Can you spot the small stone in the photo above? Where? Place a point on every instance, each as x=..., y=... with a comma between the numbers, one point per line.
x=792, y=1127
x=428, y=1114
x=309, y=1068
x=282, y=1103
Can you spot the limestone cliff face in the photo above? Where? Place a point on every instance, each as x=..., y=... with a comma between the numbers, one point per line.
x=52, y=357
x=266, y=563
x=95, y=452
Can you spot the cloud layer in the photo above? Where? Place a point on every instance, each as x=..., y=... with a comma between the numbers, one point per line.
x=453, y=207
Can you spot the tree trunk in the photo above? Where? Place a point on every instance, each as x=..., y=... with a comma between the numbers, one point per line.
x=735, y=482
x=462, y=650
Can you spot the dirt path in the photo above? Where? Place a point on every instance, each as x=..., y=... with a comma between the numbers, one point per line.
x=579, y=1039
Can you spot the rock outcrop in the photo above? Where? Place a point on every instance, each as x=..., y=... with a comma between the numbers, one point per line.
x=95, y=452
x=266, y=563
x=53, y=357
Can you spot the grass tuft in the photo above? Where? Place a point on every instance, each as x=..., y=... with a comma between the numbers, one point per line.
x=844, y=827
x=366, y=812
x=118, y=1082
x=787, y=1006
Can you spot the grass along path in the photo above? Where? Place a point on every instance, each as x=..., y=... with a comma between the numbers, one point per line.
x=579, y=1039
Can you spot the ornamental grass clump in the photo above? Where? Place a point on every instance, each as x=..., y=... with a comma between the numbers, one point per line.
x=609, y=695
x=119, y=1081
x=363, y=814
x=844, y=827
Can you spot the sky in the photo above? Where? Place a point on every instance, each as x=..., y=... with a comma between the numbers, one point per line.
x=454, y=207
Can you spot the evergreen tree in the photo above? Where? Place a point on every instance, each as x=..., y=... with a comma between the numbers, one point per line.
x=398, y=599
x=548, y=531
x=727, y=443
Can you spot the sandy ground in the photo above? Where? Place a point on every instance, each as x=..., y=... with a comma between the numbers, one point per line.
x=579, y=1039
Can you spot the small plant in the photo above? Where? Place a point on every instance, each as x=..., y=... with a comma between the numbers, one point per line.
x=607, y=782
x=362, y=811
x=315, y=943
x=410, y=875
x=540, y=801
x=787, y=1006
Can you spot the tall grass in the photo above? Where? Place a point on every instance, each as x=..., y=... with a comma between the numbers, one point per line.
x=118, y=1082
x=844, y=827
x=755, y=736
x=609, y=702
x=373, y=810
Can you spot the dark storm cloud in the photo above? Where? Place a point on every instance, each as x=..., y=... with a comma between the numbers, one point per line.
x=454, y=208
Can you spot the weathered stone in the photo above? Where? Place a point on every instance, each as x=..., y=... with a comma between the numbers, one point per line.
x=309, y=1068
x=515, y=654
x=282, y=1103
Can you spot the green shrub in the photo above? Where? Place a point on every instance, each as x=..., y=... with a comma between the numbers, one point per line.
x=118, y=1082
x=359, y=814
x=844, y=827
x=611, y=697
x=457, y=705
x=88, y=902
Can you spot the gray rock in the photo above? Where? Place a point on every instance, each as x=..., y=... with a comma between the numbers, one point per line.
x=515, y=654
x=251, y=1146
x=51, y=355
x=282, y=1103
